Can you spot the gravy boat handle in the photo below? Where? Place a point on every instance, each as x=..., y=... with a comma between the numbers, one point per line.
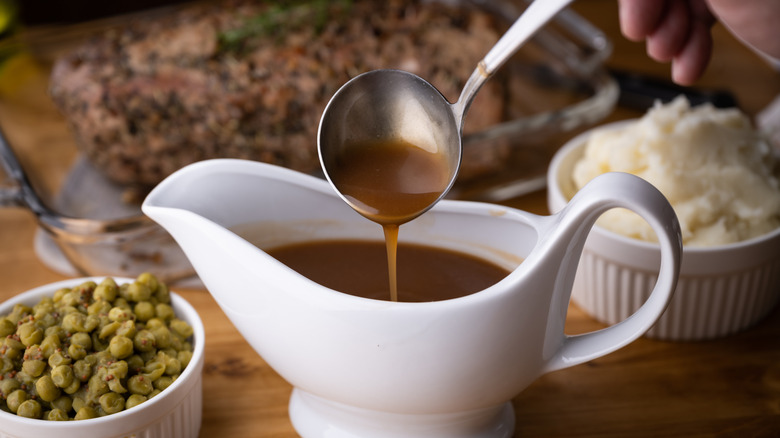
x=572, y=226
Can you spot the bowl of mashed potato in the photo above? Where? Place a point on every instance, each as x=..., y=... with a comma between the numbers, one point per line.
x=721, y=177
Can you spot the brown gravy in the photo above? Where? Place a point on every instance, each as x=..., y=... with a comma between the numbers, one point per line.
x=408, y=180
x=359, y=267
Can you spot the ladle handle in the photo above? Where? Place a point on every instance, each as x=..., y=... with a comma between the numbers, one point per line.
x=572, y=226
x=535, y=16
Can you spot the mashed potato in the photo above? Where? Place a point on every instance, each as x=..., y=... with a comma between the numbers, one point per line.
x=712, y=166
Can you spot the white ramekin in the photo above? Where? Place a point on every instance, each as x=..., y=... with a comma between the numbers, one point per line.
x=174, y=413
x=722, y=289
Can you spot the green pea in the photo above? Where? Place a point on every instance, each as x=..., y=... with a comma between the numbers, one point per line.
x=106, y=290
x=144, y=340
x=13, y=353
x=126, y=329
x=19, y=312
x=29, y=409
x=162, y=294
x=173, y=367
x=6, y=327
x=137, y=291
x=59, y=293
x=75, y=322
x=164, y=311
x=98, y=344
x=86, y=413
x=82, y=340
x=74, y=386
x=77, y=351
x=91, y=322
x=134, y=400
x=49, y=345
x=163, y=382
x=162, y=336
x=86, y=288
x=45, y=321
x=109, y=329
x=96, y=387
x=119, y=314
x=46, y=388
x=57, y=331
x=138, y=384
x=118, y=369
x=69, y=299
x=184, y=357
x=34, y=367
x=99, y=307
x=63, y=403
x=29, y=334
x=15, y=399
x=154, y=323
x=154, y=369
x=135, y=363
x=149, y=280
x=7, y=386
x=12, y=342
x=181, y=328
x=120, y=347
x=6, y=364
x=62, y=376
x=58, y=359
x=57, y=415
x=111, y=403
x=144, y=311
x=77, y=403
x=82, y=370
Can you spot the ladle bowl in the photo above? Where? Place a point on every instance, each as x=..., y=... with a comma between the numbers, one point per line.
x=389, y=105
x=393, y=105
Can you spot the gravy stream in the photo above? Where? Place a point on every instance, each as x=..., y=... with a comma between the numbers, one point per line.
x=406, y=183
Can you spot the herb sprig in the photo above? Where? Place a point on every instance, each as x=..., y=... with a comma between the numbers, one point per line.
x=282, y=16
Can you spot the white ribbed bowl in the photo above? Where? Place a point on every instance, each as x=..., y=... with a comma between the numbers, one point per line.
x=722, y=289
x=174, y=413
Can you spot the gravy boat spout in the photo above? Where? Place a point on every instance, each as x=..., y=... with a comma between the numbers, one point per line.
x=372, y=368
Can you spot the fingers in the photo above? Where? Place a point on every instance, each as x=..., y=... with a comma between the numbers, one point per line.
x=689, y=64
x=672, y=33
x=639, y=18
x=674, y=30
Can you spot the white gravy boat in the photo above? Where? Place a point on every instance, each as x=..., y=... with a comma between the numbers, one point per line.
x=369, y=368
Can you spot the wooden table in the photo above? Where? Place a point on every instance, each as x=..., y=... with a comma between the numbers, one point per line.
x=727, y=387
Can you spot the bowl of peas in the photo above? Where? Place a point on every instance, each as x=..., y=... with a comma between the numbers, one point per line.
x=103, y=357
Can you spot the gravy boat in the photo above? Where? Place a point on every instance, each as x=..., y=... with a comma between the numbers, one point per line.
x=371, y=368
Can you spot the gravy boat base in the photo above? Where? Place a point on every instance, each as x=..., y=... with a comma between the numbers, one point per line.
x=314, y=416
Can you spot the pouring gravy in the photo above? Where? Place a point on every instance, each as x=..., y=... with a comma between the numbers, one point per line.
x=409, y=180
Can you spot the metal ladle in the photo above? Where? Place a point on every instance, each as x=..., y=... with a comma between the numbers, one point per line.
x=397, y=105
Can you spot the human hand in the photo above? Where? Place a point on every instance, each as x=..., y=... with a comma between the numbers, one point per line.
x=674, y=30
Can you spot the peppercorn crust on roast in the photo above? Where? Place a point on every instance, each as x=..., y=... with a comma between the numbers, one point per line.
x=250, y=79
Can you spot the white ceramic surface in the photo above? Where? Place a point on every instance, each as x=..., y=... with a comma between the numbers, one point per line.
x=722, y=290
x=175, y=413
x=372, y=368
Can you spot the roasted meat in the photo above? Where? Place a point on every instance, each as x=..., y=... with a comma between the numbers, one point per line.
x=249, y=79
